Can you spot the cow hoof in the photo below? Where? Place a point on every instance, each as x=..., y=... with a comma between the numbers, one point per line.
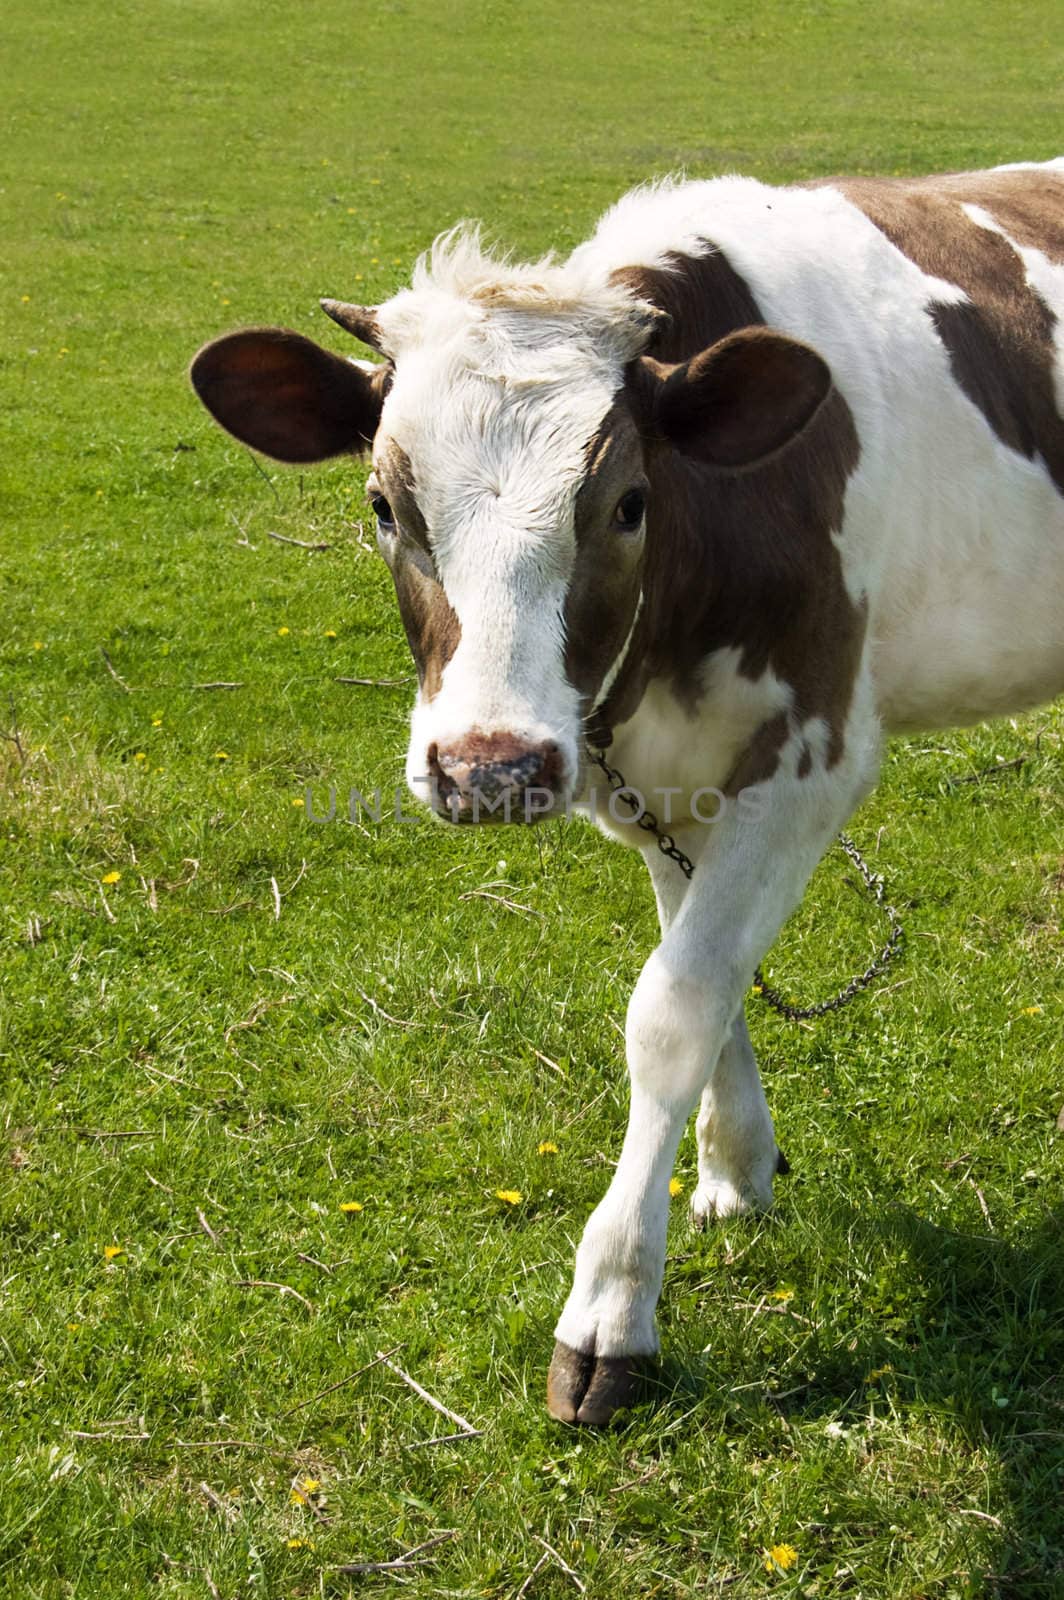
x=590, y=1389
x=712, y=1202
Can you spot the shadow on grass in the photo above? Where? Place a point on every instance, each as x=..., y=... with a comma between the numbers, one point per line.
x=964, y=1329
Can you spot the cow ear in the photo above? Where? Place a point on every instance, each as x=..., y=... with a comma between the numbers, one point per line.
x=284, y=395
x=738, y=402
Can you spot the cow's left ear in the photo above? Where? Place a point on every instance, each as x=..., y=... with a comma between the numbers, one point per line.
x=284, y=395
x=738, y=402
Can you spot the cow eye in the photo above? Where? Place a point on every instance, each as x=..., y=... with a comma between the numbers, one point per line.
x=383, y=512
x=630, y=511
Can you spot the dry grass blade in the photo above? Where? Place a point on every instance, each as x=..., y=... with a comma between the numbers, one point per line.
x=566, y=1568
x=438, y=1405
x=340, y=1383
x=446, y=1438
x=208, y=1230
x=500, y=899
x=375, y=683
x=411, y=1558
x=542, y=1562
x=282, y=1288
x=113, y=670
x=301, y=544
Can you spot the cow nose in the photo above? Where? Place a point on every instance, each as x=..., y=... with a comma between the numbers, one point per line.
x=495, y=777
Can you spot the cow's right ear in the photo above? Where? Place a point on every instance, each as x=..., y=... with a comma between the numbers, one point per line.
x=284, y=395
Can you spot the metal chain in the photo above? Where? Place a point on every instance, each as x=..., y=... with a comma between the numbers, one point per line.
x=873, y=882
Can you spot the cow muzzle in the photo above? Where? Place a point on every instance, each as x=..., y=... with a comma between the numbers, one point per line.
x=496, y=777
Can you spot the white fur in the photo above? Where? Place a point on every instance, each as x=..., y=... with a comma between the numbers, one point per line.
x=955, y=542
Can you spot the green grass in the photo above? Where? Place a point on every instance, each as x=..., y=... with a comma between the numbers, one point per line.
x=872, y=1375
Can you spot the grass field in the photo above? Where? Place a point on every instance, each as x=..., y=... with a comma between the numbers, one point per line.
x=222, y=1025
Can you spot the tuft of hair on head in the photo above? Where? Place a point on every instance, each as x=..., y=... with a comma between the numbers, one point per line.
x=459, y=266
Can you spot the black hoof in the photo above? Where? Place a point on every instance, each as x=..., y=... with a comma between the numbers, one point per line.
x=590, y=1389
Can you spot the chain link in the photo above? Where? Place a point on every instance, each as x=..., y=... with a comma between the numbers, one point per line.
x=872, y=881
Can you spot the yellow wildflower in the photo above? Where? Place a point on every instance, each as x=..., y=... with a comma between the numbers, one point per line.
x=38, y=644
x=72, y=1327
x=111, y=1251
x=1032, y=1011
x=513, y=1197
x=156, y=722
x=547, y=1148
x=756, y=988
x=298, y=1544
x=675, y=1186
x=140, y=756
x=781, y=1558
x=330, y=633
x=25, y=299
x=350, y=1205
x=281, y=632
x=110, y=877
x=782, y=1295
x=221, y=755
x=298, y=801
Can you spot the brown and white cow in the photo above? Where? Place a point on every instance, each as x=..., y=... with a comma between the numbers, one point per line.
x=753, y=478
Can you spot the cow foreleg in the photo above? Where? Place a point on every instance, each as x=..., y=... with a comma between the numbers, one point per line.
x=684, y=1036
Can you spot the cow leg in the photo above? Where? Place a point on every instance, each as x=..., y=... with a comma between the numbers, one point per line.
x=737, y=1153
x=682, y=1013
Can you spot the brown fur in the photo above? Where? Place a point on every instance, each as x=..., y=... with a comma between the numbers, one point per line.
x=432, y=629
x=1000, y=344
x=742, y=559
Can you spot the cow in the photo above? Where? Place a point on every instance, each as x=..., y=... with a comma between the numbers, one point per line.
x=752, y=479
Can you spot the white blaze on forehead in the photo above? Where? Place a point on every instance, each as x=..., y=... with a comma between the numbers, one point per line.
x=502, y=377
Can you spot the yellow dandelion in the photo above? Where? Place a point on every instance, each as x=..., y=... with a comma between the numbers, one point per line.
x=374, y=261
x=221, y=755
x=140, y=756
x=757, y=988
x=298, y=1544
x=156, y=722
x=111, y=1251
x=298, y=801
x=38, y=644
x=330, y=633
x=352, y=211
x=351, y=1205
x=25, y=299
x=310, y=1485
x=781, y=1295
x=512, y=1197
x=781, y=1558
x=1032, y=1011
x=547, y=1148
x=72, y=1327
x=226, y=300
x=281, y=632
x=675, y=1186
x=111, y=877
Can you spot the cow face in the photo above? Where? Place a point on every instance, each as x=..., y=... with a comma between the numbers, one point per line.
x=519, y=440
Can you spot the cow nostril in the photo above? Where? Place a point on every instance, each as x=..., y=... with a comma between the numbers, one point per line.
x=492, y=767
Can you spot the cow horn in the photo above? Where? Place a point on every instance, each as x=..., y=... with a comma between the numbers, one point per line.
x=359, y=320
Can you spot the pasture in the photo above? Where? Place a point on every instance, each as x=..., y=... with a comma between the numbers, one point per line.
x=277, y=1095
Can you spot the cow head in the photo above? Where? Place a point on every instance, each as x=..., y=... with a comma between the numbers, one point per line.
x=514, y=423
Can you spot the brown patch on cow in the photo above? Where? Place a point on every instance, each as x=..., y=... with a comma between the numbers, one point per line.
x=432, y=628
x=603, y=591
x=1001, y=342
x=704, y=299
x=761, y=757
x=396, y=473
x=744, y=560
